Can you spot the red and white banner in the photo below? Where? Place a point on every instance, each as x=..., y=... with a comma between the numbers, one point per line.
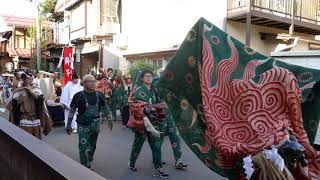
x=67, y=65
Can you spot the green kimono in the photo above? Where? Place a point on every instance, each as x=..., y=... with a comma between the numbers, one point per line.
x=146, y=95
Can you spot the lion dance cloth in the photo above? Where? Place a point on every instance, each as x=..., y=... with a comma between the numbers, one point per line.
x=230, y=101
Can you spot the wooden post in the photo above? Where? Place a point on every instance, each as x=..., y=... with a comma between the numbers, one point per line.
x=248, y=29
x=291, y=29
x=85, y=17
x=248, y=24
x=14, y=38
x=25, y=39
x=100, y=55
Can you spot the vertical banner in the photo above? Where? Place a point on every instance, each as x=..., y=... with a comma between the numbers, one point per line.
x=67, y=65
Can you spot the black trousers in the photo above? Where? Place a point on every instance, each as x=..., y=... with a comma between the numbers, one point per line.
x=125, y=115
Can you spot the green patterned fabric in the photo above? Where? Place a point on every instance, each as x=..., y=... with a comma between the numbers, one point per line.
x=171, y=131
x=154, y=143
x=88, y=136
x=228, y=61
x=144, y=94
x=311, y=119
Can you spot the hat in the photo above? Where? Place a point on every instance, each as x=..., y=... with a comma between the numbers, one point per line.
x=86, y=78
x=128, y=76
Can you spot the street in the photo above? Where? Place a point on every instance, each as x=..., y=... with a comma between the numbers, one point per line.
x=112, y=153
x=113, y=148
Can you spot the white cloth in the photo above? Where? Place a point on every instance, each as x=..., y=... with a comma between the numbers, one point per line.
x=273, y=156
x=150, y=127
x=36, y=82
x=37, y=90
x=30, y=123
x=74, y=124
x=68, y=92
x=248, y=166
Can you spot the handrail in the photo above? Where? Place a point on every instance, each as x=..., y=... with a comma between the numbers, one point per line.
x=305, y=11
x=26, y=157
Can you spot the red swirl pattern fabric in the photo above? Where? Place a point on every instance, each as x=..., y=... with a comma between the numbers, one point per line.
x=136, y=112
x=243, y=116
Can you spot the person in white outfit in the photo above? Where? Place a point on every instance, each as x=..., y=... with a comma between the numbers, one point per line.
x=70, y=89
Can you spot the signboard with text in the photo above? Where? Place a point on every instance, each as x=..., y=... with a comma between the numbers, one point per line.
x=67, y=65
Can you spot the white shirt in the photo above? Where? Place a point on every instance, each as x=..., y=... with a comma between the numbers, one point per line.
x=127, y=86
x=68, y=92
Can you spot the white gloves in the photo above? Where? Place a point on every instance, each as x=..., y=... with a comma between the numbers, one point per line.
x=150, y=127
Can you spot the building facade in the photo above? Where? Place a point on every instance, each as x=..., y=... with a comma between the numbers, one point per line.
x=91, y=27
x=258, y=23
x=17, y=46
x=158, y=59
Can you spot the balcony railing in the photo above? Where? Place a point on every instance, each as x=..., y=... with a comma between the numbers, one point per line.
x=306, y=10
x=60, y=33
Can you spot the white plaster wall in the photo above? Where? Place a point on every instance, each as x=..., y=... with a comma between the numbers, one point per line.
x=91, y=17
x=238, y=31
x=155, y=24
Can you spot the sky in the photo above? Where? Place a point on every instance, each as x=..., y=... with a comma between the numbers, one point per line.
x=17, y=8
x=149, y=24
x=157, y=24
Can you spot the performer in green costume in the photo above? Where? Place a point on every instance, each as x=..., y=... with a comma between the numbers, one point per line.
x=116, y=98
x=89, y=104
x=140, y=97
x=125, y=92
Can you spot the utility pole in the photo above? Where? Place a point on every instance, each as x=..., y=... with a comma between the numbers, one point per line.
x=38, y=35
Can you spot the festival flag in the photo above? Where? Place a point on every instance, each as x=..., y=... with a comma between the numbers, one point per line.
x=230, y=101
x=67, y=65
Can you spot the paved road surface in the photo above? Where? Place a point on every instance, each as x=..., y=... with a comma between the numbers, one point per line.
x=112, y=153
x=113, y=148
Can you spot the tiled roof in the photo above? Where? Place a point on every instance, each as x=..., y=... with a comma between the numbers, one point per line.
x=24, y=53
x=19, y=21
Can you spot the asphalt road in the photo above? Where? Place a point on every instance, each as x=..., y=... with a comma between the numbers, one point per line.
x=113, y=148
x=112, y=154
